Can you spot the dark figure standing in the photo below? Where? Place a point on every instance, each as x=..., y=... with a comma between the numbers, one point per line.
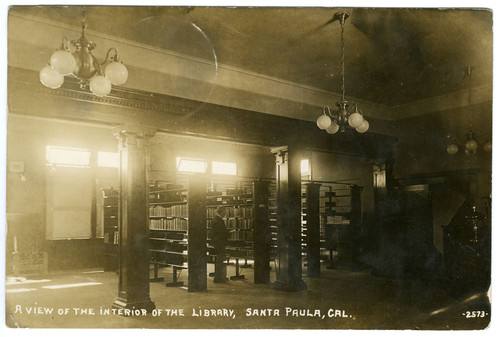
x=219, y=241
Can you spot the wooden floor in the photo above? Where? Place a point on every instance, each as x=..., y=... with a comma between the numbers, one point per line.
x=339, y=299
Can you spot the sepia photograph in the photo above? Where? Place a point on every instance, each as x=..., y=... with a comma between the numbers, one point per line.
x=248, y=167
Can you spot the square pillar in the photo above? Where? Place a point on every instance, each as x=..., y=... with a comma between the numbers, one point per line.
x=289, y=271
x=133, y=263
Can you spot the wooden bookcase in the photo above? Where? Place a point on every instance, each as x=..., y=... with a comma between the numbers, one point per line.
x=262, y=231
x=177, y=232
x=107, y=206
x=341, y=216
x=331, y=223
x=303, y=224
x=247, y=217
x=168, y=228
x=237, y=198
x=273, y=222
x=311, y=234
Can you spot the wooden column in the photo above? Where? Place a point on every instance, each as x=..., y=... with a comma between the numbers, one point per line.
x=197, y=234
x=261, y=232
x=289, y=272
x=133, y=268
x=313, y=235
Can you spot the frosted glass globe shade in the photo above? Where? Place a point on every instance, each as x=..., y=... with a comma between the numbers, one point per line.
x=452, y=149
x=323, y=122
x=116, y=72
x=487, y=147
x=63, y=62
x=51, y=78
x=471, y=145
x=363, y=127
x=333, y=128
x=100, y=85
x=355, y=120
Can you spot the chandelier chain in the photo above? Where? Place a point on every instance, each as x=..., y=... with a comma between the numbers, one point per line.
x=469, y=74
x=84, y=21
x=345, y=116
x=342, y=55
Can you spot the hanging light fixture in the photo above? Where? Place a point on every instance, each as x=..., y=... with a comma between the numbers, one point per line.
x=471, y=145
x=75, y=59
x=344, y=116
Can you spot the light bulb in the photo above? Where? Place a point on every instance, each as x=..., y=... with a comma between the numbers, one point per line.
x=116, y=72
x=452, y=149
x=323, y=122
x=63, y=62
x=363, y=127
x=100, y=85
x=471, y=145
x=51, y=78
x=355, y=120
x=487, y=147
x=333, y=128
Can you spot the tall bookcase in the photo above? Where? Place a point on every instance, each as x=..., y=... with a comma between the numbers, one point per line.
x=237, y=198
x=247, y=219
x=341, y=219
x=168, y=228
x=331, y=222
x=311, y=228
x=177, y=230
x=107, y=215
x=273, y=222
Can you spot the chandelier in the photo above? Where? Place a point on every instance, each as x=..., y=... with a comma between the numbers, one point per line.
x=344, y=116
x=75, y=59
x=471, y=145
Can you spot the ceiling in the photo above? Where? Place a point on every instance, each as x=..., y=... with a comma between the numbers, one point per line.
x=393, y=56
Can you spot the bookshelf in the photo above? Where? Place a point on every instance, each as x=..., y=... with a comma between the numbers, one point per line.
x=311, y=232
x=262, y=231
x=341, y=217
x=237, y=197
x=177, y=234
x=303, y=223
x=247, y=217
x=107, y=205
x=331, y=221
x=273, y=223
x=168, y=228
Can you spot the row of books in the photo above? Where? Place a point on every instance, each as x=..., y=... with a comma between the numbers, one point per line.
x=229, y=202
x=240, y=212
x=173, y=211
x=167, y=196
x=239, y=223
x=175, y=224
x=337, y=220
x=233, y=212
x=241, y=236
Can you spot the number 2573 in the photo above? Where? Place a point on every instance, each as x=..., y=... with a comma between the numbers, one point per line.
x=475, y=314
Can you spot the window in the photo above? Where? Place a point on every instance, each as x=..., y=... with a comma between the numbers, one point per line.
x=185, y=165
x=65, y=156
x=108, y=159
x=226, y=168
x=305, y=168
